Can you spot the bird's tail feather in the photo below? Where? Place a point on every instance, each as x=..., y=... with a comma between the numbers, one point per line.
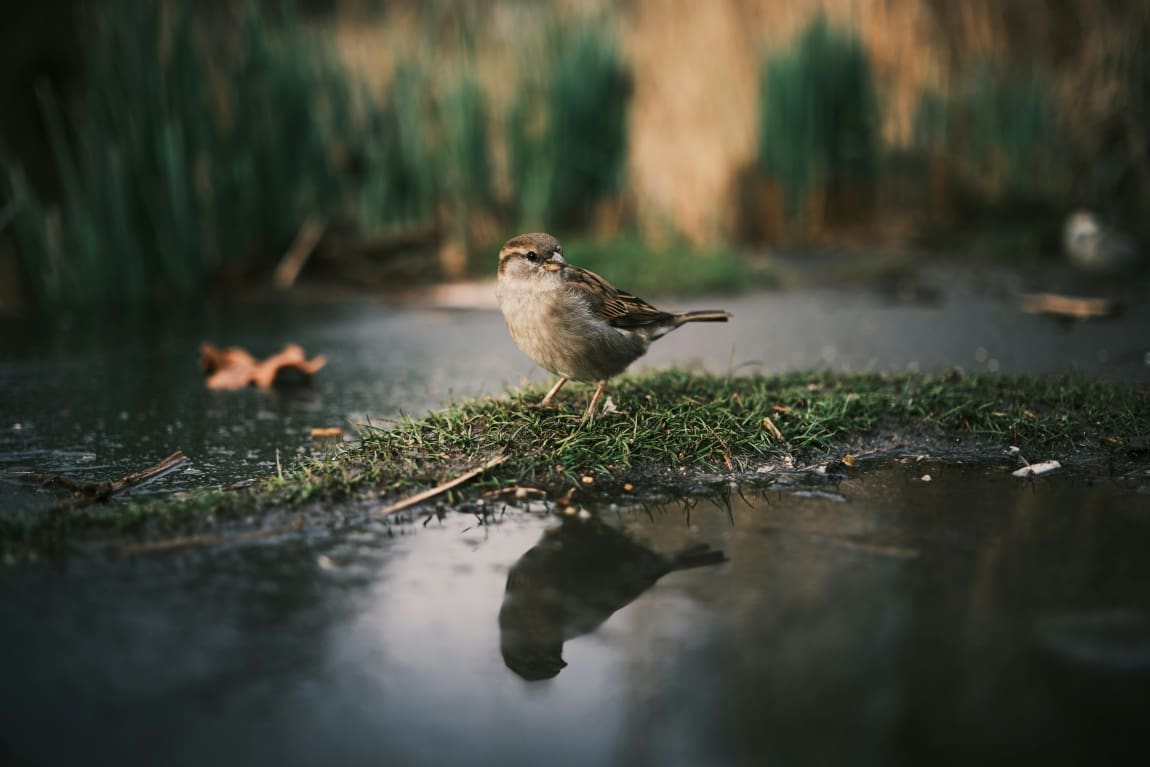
x=705, y=315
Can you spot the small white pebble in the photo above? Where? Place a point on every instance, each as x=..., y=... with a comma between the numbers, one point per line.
x=324, y=562
x=926, y=478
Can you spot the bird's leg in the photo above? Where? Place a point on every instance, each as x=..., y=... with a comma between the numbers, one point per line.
x=554, y=390
x=594, y=401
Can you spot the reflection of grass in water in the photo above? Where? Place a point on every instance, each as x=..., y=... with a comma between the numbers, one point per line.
x=674, y=268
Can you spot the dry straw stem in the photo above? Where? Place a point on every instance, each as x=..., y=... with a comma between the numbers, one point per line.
x=430, y=493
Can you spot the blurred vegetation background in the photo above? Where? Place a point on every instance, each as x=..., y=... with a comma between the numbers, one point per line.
x=157, y=149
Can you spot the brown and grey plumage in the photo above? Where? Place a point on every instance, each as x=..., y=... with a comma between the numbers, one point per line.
x=572, y=322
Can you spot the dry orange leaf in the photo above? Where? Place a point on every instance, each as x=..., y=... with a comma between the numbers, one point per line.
x=235, y=368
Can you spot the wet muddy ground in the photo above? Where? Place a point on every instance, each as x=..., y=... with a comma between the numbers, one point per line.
x=881, y=619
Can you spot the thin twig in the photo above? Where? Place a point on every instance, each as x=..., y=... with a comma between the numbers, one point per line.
x=97, y=492
x=169, y=463
x=439, y=489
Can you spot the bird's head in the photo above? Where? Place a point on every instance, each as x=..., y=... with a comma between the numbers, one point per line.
x=534, y=256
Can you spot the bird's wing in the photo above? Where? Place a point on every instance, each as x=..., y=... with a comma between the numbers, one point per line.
x=616, y=307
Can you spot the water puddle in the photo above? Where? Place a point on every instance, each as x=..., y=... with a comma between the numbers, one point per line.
x=878, y=620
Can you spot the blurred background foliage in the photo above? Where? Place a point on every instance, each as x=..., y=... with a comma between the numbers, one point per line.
x=818, y=115
x=158, y=149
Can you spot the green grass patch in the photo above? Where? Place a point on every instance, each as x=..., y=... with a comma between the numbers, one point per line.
x=670, y=426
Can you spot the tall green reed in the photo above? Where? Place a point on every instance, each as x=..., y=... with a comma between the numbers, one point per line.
x=818, y=113
x=567, y=127
x=1001, y=133
x=189, y=152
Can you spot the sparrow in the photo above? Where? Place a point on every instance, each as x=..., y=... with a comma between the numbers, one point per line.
x=571, y=321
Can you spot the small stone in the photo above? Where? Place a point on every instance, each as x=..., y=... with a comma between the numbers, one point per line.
x=926, y=478
x=588, y=480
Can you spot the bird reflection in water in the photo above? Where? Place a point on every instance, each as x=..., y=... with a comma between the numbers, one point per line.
x=570, y=582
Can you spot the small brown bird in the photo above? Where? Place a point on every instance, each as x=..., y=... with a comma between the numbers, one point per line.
x=573, y=322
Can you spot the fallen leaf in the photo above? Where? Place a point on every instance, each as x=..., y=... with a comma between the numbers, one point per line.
x=782, y=409
x=849, y=459
x=235, y=368
x=1067, y=306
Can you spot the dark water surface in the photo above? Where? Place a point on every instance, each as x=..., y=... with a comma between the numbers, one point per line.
x=975, y=617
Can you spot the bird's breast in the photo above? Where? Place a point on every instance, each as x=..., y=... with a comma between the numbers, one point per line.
x=561, y=333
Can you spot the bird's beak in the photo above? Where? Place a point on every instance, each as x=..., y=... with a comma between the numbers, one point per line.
x=555, y=263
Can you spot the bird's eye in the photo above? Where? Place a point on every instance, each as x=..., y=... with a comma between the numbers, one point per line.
x=532, y=256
